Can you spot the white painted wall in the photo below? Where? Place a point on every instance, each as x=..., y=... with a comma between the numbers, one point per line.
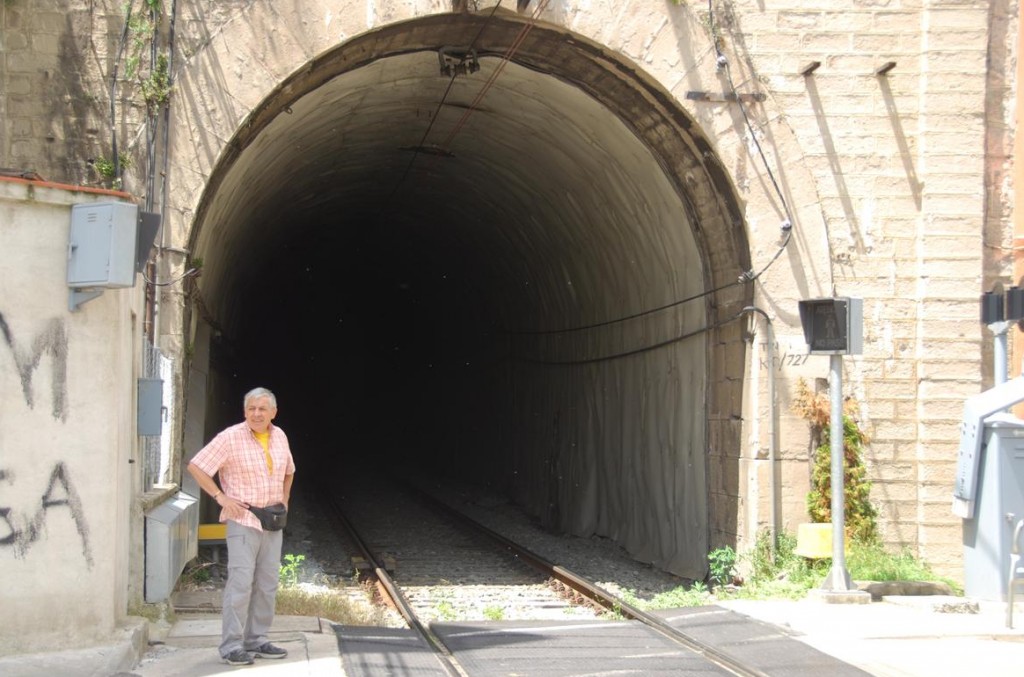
x=67, y=430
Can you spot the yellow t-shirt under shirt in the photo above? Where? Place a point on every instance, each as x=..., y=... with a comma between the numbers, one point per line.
x=264, y=440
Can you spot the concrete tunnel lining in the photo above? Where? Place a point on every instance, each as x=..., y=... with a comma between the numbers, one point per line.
x=393, y=276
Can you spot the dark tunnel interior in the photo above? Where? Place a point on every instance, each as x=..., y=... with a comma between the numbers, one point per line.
x=367, y=337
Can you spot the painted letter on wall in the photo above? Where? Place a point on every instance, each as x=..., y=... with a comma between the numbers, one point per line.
x=21, y=532
x=53, y=341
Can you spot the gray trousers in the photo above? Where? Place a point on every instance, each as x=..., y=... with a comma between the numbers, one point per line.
x=254, y=560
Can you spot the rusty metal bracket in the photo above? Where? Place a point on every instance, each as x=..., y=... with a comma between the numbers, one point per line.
x=727, y=97
x=457, y=62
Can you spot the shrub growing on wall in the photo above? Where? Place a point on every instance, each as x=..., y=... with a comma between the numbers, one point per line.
x=860, y=513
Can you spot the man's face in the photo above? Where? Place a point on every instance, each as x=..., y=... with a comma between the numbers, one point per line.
x=259, y=413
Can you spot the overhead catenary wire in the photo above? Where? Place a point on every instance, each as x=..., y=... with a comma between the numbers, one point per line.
x=474, y=106
x=423, y=139
x=509, y=53
x=437, y=113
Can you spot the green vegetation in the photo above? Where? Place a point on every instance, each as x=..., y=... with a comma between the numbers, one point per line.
x=872, y=562
x=788, y=575
x=289, y=573
x=156, y=89
x=323, y=599
x=141, y=32
x=722, y=563
x=494, y=612
x=105, y=167
x=695, y=595
x=196, y=576
x=445, y=610
x=140, y=29
x=860, y=514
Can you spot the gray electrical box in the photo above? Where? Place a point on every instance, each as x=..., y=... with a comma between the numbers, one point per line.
x=171, y=541
x=998, y=504
x=977, y=409
x=151, y=407
x=102, y=245
x=833, y=326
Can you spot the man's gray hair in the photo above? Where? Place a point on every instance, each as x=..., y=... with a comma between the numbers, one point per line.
x=260, y=392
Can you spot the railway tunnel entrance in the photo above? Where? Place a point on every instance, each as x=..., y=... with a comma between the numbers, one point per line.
x=452, y=246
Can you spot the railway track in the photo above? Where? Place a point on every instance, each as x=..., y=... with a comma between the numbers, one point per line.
x=446, y=571
x=420, y=551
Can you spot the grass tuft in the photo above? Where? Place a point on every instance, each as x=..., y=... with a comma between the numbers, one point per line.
x=871, y=562
x=326, y=602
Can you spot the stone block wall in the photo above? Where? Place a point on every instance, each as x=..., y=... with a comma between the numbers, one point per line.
x=56, y=71
x=903, y=164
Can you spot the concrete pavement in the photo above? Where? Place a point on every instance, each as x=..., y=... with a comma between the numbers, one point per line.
x=904, y=636
x=928, y=636
x=189, y=649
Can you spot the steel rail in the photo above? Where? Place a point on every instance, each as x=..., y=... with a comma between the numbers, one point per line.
x=447, y=660
x=600, y=596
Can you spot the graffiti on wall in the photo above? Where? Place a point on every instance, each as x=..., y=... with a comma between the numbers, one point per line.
x=52, y=341
x=21, y=531
x=792, y=359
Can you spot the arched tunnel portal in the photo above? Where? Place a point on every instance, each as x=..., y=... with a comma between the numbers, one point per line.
x=523, y=276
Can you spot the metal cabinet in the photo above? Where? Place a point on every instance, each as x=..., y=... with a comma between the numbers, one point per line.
x=999, y=503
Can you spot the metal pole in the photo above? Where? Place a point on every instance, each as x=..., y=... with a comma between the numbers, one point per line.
x=772, y=438
x=772, y=435
x=999, y=330
x=838, y=578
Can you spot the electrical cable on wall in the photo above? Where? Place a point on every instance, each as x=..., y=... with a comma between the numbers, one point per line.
x=637, y=351
x=167, y=121
x=152, y=119
x=188, y=273
x=642, y=313
x=787, y=225
x=113, y=90
x=660, y=344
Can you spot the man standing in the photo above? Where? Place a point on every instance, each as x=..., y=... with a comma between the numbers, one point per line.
x=255, y=468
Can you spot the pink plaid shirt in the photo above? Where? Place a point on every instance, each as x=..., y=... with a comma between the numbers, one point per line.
x=238, y=457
